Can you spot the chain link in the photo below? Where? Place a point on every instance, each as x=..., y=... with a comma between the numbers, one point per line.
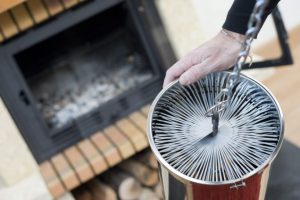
x=254, y=24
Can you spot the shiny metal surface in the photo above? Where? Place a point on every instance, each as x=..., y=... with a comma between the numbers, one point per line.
x=249, y=137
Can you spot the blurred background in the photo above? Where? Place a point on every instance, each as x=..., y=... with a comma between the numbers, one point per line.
x=77, y=78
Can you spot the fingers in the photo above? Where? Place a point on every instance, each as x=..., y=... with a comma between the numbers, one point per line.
x=177, y=69
x=217, y=54
x=170, y=76
x=196, y=72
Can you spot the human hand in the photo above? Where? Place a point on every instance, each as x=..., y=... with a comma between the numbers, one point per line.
x=217, y=54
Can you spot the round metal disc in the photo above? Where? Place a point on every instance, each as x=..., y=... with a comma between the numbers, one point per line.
x=250, y=130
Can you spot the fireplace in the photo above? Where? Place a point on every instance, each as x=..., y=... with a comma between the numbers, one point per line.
x=73, y=75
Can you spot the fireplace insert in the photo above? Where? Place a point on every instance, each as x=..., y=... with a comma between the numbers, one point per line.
x=75, y=74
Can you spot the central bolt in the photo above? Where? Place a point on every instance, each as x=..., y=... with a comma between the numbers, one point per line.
x=215, y=122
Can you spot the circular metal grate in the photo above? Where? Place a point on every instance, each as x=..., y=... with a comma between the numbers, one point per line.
x=249, y=136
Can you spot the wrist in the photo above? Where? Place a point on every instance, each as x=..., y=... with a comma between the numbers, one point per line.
x=237, y=37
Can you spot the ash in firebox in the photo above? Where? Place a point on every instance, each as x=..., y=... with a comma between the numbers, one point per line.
x=82, y=83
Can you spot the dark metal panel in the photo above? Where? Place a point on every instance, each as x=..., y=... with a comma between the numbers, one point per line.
x=57, y=24
x=143, y=33
x=18, y=98
x=157, y=29
x=19, y=103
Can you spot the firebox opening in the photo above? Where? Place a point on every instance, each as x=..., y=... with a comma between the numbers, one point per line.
x=80, y=69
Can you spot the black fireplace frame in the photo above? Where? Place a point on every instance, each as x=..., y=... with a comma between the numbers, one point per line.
x=286, y=57
x=21, y=103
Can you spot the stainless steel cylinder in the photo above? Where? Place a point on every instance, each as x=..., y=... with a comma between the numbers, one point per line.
x=234, y=163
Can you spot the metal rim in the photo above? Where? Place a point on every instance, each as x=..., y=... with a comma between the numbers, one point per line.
x=184, y=177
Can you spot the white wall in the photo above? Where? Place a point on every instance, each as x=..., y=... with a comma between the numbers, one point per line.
x=211, y=15
x=191, y=22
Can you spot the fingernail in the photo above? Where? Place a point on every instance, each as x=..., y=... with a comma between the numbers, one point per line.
x=184, y=80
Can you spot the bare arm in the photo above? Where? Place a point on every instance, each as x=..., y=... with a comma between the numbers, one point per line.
x=219, y=53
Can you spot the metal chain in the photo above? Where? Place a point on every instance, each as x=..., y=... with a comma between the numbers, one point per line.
x=254, y=24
